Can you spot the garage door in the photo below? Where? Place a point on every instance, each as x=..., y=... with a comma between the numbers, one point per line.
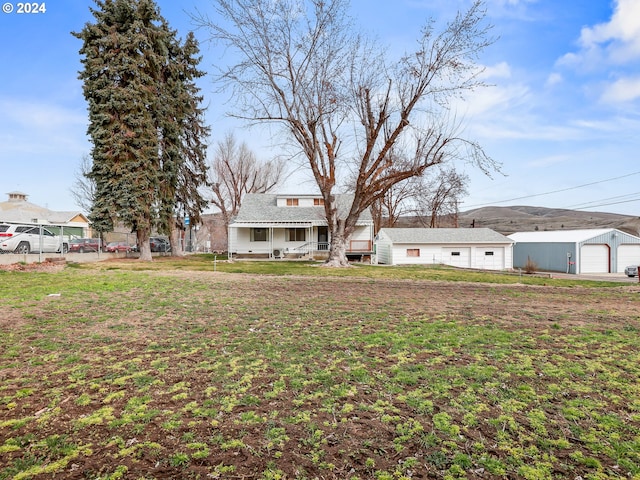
x=457, y=257
x=627, y=255
x=490, y=258
x=594, y=259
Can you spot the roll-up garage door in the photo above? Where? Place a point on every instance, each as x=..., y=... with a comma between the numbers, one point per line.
x=627, y=255
x=594, y=259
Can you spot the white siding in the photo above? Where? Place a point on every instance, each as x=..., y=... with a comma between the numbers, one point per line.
x=457, y=256
x=383, y=250
x=303, y=201
x=245, y=245
x=362, y=233
x=240, y=239
x=429, y=254
x=388, y=253
x=594, y=259
x=489, y=258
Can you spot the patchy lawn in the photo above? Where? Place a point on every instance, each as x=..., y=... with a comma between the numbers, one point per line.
x=109, y=373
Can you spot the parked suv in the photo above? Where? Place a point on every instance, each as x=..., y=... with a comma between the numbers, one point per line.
x=82, y=245
x=27, y=239
x=159, y=244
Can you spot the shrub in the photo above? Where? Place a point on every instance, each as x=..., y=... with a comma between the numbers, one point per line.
x=531, y=266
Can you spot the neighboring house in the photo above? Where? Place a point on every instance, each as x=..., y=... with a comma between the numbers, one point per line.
x=18, y=210
x=480, y=248
x=211, y=234
x=577, y=251
x=278, y=226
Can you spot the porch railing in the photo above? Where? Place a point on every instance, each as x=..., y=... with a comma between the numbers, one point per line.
x=310, y=247
x=354, y=246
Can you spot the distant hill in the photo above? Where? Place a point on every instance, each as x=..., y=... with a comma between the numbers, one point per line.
x=508, y=220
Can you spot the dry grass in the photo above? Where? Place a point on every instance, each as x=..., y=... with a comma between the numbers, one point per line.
x=177, y=373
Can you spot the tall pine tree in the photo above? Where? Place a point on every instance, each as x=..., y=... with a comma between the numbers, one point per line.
x=137, y=83
x=183, y=148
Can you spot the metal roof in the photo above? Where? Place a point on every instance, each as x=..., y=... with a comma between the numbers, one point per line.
x=22, y=211
x=444, y=235
x=262, y=208
x=561, y=236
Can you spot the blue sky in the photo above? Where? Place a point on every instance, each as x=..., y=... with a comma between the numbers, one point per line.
x=562, y=114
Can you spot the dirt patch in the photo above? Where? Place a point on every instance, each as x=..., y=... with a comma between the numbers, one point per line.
x=48, y=266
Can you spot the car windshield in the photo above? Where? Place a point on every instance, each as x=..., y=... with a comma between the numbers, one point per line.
x=4, y=228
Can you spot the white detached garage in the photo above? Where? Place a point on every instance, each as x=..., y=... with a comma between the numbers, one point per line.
x=577, y=251
x=480, y=248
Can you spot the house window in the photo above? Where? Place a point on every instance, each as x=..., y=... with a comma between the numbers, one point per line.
x=455, y=254
x=259, y=234
x=318, y=201
x=296, y=234
x=488, y=254
x=413, y=252
x=292, y=202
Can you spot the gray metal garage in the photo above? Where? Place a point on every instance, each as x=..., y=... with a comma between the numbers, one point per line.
x=577, y=251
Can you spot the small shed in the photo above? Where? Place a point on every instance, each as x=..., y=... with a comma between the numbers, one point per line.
x=480, y=248
x=577, y=251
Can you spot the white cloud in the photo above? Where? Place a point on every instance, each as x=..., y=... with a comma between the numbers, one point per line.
x=614, y=42
x=554, y=79
x=621, y=35
x=41, y=129
x=501, y=70
x=623, y=90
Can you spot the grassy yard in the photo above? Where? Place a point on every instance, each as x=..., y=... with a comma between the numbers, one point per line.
x=285, y=370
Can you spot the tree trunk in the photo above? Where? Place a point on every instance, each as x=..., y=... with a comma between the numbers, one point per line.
x=337, y=251
x=175, y=239
x=143, y=245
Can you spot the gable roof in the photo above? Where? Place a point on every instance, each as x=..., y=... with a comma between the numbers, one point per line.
x=263, y=208
x=444, y=235
x=560, y=236
x=22, y=211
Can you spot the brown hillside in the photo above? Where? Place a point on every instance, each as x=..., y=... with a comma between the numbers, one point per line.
x=508, y=220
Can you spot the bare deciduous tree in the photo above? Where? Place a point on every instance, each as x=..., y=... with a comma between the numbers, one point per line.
x=84, y=188
x=395, y=203
x=235, y=171
x=429, y=198
x=343, y=104
x=440, y=195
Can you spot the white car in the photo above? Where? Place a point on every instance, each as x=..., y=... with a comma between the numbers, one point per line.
x=25, y=239
x=631, y=271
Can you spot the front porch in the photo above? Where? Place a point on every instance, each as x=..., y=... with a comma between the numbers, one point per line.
x=292, y=241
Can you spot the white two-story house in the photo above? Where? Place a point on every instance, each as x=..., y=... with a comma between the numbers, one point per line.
x=291, y=226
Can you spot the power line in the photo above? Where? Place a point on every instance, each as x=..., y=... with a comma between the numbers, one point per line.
x=612, y=203
x=598, y=203
x=556, y=191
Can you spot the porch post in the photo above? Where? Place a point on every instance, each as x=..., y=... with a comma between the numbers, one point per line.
x=271, y=242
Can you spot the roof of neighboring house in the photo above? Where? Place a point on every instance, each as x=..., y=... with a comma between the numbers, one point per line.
x=262, y=208
x=561, y=236
x=444, y=235
x=18, y=209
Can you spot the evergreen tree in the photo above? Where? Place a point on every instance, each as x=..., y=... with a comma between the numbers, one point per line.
x=183, y=148
x=138, y=82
